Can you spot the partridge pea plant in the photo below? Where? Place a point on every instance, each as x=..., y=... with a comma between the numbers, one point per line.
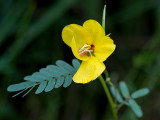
x=89, y=44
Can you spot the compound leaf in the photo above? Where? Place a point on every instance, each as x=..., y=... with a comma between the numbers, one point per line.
x=47, y=78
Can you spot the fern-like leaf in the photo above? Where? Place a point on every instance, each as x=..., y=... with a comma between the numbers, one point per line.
x=53, y=76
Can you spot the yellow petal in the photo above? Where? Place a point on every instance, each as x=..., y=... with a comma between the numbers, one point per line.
x=95, y=29
x=104, y=48
x=76, y=52
x=80, y=35
x=89, y=70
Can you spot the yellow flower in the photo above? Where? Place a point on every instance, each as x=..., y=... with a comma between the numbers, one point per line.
x=89, y=44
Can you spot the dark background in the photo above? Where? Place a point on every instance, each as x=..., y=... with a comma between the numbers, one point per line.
x=30, y=38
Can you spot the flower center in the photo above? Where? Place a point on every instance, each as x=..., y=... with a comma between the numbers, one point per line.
x=87, y=50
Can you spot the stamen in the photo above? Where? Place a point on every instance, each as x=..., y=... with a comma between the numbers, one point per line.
x=85, y=47
x=86, y=50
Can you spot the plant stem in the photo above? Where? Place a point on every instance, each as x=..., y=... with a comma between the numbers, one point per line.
x=120, y=105
x=109, y=97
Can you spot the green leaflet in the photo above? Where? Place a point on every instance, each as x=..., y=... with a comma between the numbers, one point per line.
x=33, y=79
x=76, y=64
x=124, y=89
x=41, y=87
x=68, y=81
x=59, y=82
x=65, y=66
x=140, y=93
x=50, y=85
x=136, y=108
x=116, y=94
x=47, y=78
x=47, y=72
x=39, y=75
x=20, y=86
x=56, y=70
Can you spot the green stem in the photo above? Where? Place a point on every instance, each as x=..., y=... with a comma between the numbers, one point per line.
x=109, y=97
x=120, y=105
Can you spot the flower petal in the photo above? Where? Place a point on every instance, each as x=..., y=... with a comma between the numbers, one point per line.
x=76, y=52
x=104, y=48
x=89, y=70
x=80, y=35
x=95, y=29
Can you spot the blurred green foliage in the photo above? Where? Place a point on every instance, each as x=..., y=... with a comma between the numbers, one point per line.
x=30, y=38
